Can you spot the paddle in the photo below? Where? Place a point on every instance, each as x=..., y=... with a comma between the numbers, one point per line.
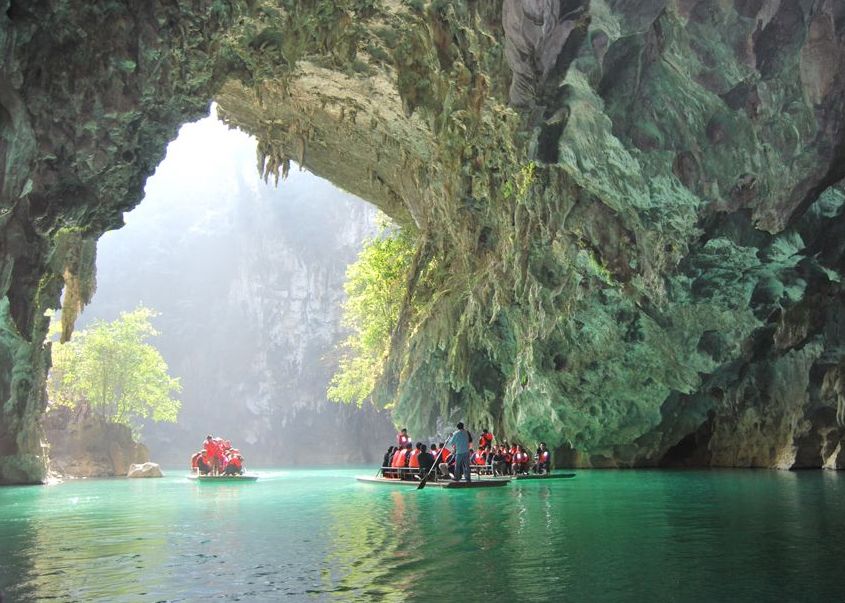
x=433, y=465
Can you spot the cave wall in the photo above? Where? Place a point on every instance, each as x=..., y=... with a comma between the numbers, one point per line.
x=628, y=210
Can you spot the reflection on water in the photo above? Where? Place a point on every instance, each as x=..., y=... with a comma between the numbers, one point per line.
x=319, y=535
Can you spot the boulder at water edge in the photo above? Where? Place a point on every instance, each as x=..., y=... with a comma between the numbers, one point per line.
x=145, y=470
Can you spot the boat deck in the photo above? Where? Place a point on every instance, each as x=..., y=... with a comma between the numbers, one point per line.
x=547, y=476
x=476, y=483
x=222, y=479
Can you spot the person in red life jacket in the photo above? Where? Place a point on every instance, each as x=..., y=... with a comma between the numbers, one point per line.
x=520, y=461
x=544, y=459
x=486, y=440
x=479, y=458
x=234, y=464
x=507, y=457
x=398, y=462
x=413, y=459
x=402, y=438
x=212, y=454
x=443, y=462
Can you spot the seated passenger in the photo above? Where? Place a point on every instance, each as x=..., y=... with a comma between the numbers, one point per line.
x=398, y=461
x=234, y=466
x=444, y=461
x=520, y=461
x=413, y=459
x=425, y=460
x=486, y=440
x=544, y=459
x=386, y=461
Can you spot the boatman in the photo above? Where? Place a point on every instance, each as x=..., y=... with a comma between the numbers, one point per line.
x=460, y=441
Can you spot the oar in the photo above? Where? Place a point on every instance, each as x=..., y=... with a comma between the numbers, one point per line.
x=434, y=465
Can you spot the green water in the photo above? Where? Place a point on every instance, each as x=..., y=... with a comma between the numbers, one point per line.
x=319, y=535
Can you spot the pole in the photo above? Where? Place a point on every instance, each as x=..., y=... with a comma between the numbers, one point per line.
x=433, y=466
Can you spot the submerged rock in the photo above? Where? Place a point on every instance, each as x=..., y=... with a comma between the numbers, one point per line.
x=145, y=470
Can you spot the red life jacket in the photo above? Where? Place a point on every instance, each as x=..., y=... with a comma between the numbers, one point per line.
x=398, y=458
x=446, y=455
x=211, y=449
x=415, y=461
x=402, y=439
x=478, y=458
x=544, y=456
x=235, y=461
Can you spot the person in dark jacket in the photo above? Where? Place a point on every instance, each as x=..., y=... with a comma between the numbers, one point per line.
x=385, y=462
x=426, y=460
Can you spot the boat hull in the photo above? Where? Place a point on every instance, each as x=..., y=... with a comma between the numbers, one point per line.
x=476, y=483
x=547, y=476
x=222, y=479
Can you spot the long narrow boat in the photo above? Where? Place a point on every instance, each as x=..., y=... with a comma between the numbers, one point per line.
x=546, y=476
x=222, y=479
x=476, y=483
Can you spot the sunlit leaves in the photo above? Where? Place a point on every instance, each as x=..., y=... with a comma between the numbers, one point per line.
x=112, y=368
x=375, y=287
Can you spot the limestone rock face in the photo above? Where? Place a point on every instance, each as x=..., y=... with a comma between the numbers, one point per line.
x=84, y=445
x=145, y=470
x=628, y=213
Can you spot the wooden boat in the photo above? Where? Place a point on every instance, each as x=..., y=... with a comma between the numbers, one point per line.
x=545, y=476
x=222, y=479
x=491, y=482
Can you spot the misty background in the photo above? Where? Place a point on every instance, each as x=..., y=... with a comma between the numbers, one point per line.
x=248, y=279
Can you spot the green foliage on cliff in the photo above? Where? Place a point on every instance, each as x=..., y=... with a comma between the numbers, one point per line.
x=112, y=368
x=375, y=287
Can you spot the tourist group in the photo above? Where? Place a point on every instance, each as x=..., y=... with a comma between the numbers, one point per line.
x=217, y=457
x=457, y=458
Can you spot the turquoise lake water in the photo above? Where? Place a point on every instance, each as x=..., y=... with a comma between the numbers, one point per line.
x=319, y=535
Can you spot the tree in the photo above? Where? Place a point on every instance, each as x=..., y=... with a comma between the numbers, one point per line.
x=110, y=367
x=375, y=286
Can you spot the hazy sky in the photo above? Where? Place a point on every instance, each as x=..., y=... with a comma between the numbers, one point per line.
x=207, y=164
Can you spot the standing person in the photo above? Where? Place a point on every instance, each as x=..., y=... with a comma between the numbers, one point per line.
x=212, y=452
x=460, y=440
x=402, y=438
